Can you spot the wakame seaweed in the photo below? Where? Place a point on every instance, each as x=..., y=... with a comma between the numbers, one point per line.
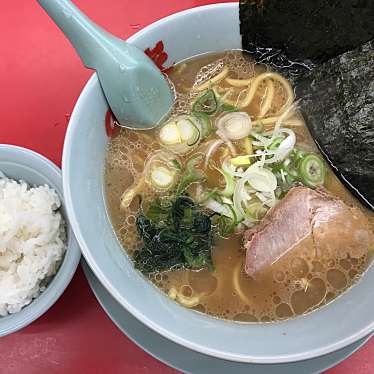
x=337, y=102
x=175, y=234
x=295, y=35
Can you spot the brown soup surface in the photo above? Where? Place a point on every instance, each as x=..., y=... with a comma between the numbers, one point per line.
x=294, y=285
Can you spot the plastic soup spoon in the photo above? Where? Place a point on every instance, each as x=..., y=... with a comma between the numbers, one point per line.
x=136, y=90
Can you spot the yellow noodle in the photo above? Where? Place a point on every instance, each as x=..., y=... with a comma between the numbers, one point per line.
x=229, y=91
x=223, y=98
x=226, y=95
x=269, y=97
x=187, y=301
x=270, y=120
x=129, y=195
x=253, y=88
x=290, y=94
x=247, y=145
x=236, y=283
x=173, y=293
x=294, y=123
x=225, y=153
x=216, y=79
x=239, y=82
x=251, y=92
x=254, y=84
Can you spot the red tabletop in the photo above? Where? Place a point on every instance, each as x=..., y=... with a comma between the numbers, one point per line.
x=40, y=80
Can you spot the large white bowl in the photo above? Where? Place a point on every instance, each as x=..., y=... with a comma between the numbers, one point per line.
x=349, y=318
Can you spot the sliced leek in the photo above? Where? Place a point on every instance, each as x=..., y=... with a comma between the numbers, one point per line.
x=181, y=134
x=235, y=125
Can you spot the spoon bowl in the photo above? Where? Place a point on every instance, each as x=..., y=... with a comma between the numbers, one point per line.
x=136, y=90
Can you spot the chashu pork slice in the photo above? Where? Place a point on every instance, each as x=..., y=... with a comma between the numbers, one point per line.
x=337, y=230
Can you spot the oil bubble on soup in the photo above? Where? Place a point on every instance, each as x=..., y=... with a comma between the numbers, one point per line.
x=196, y=203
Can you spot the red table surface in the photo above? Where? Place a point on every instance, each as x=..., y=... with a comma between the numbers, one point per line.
x=41, y=78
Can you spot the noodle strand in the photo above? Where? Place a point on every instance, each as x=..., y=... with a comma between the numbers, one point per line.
x=239, y=82
x=269, y=97
x=216, y=79
x=235, y=279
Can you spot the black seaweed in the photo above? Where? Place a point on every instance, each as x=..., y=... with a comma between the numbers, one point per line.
x=337, y=101
x=175, y=235
x=326, y=47
x=295, y=35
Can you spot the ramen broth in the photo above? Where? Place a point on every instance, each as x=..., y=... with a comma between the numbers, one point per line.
x=295, y=284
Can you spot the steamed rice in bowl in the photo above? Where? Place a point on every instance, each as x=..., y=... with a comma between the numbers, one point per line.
x=32, y=242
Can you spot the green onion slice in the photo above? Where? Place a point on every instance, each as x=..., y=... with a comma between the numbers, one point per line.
x=312, y=170
x=276, y=143
x=206, y=103
x=206, y=124
x=290, y=168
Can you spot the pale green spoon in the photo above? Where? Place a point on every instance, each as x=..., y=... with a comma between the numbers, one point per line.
x=136, y=90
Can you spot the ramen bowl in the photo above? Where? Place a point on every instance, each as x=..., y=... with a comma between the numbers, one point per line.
x=344, y=321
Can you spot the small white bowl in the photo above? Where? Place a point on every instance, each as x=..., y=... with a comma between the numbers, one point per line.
x=22, y=164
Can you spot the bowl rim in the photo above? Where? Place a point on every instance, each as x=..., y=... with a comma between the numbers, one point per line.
x=72, y=256
x=329, y=348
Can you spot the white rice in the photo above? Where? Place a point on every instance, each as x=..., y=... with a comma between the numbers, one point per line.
x=32, y=242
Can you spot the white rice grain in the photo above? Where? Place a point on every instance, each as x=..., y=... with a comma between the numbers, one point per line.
x=32, y=242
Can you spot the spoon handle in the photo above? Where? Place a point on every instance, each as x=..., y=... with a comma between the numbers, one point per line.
x=89, y=40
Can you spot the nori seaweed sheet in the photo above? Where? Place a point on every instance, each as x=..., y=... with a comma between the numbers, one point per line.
x=295, y=35
x=302, y=39
x=337, y=101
